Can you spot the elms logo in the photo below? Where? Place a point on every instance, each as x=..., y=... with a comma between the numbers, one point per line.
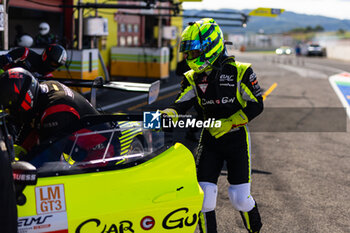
x=151, y=120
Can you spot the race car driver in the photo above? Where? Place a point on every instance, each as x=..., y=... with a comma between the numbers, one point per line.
x=52, y=57
x=47, y=110
x=227, y=91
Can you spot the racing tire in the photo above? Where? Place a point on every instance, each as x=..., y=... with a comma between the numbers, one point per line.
x=136, y=147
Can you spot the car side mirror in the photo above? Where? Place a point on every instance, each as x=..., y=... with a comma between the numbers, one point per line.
x=24, y=174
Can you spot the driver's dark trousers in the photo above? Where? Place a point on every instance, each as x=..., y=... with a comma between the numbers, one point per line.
x=233, y=150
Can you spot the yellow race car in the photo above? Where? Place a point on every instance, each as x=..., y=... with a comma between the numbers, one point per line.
x=152, y=191
x=145, y=187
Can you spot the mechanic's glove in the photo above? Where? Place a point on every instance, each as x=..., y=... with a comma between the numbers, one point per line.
x=67, y=158
x=169, y=112
x=236, y=120
x=20, y=152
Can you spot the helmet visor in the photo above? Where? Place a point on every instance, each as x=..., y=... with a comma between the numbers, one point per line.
x=192, y=54
x=188, y=45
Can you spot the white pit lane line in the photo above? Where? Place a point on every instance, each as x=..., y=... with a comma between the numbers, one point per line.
x=317, y=71
x=304, y=72
x=328, y=68
x=334, y=81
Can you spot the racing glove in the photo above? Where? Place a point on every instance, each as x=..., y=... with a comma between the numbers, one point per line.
x=19, y=152
x=170, y=112
x=236, y=120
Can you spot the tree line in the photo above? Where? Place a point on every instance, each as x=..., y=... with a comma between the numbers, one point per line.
x=307, y=29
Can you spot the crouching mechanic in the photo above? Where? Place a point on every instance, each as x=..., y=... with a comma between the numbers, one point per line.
x=42, y=111
x=42, y=65
x=227, y=91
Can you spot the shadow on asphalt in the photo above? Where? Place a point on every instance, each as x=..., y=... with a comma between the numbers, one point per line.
x=191, y=142
x=224, y=172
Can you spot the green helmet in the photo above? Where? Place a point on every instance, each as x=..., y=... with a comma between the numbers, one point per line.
x=206, y=36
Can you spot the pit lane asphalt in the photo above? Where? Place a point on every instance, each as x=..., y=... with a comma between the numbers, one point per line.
x=300, y=179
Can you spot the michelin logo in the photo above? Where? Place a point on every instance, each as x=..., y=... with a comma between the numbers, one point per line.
x=151, y=120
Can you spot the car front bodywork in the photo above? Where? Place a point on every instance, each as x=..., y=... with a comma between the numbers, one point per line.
x=155, y=190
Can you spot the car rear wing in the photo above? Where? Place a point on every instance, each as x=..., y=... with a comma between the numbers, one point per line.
x=151, y=88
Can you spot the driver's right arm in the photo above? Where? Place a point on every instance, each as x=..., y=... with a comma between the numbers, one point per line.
x=184, y=101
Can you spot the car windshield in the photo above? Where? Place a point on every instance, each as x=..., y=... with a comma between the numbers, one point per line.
x=107, y=145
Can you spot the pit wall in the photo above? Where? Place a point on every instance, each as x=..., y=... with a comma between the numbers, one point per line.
x=339, y=50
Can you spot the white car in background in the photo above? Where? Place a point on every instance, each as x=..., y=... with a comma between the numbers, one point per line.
x=315, y=50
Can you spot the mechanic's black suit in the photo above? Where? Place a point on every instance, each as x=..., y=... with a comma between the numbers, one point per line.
x=8, y=210
x=41, y=41
x=27, y=59
x=59, y=111
x=231, y=86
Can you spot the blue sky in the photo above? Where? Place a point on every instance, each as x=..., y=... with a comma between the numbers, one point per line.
x=331, y=8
